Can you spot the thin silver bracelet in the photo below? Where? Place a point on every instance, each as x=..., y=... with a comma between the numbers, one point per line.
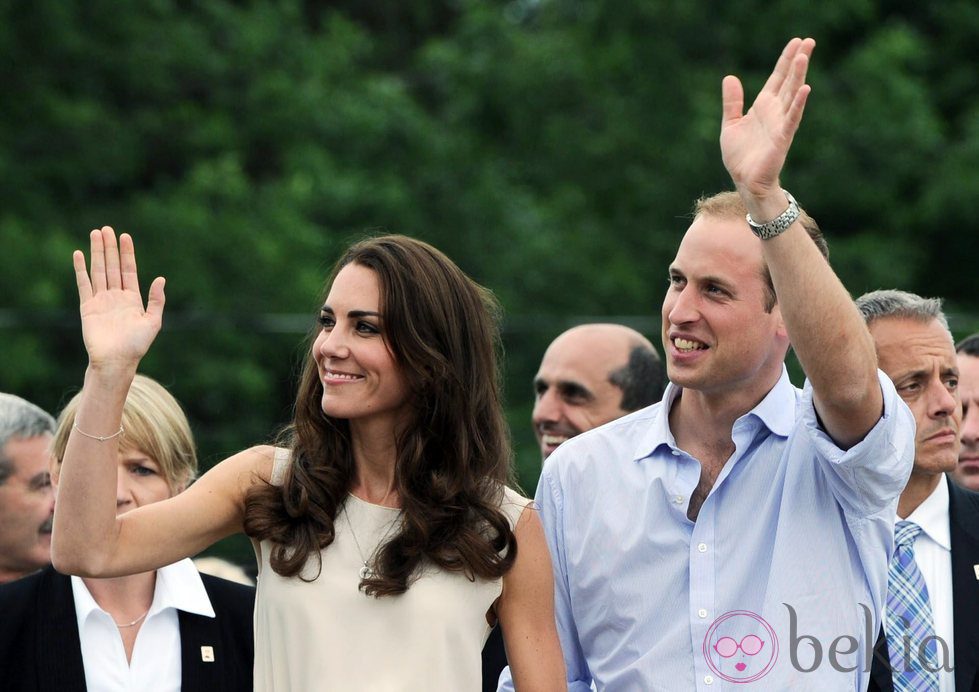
x=100, y=438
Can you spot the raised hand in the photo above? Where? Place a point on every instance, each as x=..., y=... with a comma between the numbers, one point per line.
x=116, y=328
x=754, y=144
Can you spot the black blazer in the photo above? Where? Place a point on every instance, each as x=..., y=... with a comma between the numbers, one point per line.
x=494, y=659
x=40, y=650
x=963, y=510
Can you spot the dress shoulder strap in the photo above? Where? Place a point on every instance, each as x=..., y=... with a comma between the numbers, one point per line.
x=280, y=464
x=513, y=504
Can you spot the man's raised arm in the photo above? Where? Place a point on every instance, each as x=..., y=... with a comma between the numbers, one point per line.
x=824, y=327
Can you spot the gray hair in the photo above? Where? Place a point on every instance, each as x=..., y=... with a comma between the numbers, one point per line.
x=19, y=418
x=894, y=303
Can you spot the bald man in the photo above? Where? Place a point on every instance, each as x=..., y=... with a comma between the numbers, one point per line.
x=590, y=375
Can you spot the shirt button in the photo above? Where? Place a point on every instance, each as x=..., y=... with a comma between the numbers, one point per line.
x=708, y=679
x=702, y=613
x=678, y=499
x=675, y=453
x=702, y=547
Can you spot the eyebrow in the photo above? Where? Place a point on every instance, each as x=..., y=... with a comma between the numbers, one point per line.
x=39, y=479
x=925, y=373
x=566, y=387
x=352, y=313
x=708, y=279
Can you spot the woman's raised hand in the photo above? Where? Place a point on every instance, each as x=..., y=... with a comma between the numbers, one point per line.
x=116, y=328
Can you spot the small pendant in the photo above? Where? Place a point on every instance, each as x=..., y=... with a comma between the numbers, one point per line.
x=366, y=572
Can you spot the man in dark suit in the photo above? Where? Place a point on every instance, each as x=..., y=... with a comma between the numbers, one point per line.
x=40, y=650
x=938, y=522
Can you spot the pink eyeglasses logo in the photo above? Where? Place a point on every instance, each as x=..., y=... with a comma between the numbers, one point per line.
x=740, y=647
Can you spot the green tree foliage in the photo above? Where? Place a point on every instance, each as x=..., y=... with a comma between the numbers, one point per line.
x=552, y=147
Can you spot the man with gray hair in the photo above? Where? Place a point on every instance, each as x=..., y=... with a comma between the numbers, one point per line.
x=930, y=631
x=967, y=354
x=26, y=497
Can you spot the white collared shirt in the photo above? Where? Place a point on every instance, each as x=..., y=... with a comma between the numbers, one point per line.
x=155, y=662
x=933, y=553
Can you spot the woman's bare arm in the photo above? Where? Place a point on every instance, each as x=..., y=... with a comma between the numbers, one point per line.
x=526, y=612
x=89, y=539
x=158, y=534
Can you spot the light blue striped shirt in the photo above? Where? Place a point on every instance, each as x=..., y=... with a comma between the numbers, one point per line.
x=778, y=585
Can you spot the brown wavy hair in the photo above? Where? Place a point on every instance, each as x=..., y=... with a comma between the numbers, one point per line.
x=453, y=458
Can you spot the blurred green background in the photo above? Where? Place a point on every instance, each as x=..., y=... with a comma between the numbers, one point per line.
x=552, y=148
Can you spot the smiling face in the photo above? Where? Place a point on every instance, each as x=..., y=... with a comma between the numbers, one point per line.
x=967, y=471
x=919, y=357
x=361, y=380
x=572, y=389
x=717, y=335
x=26, y=507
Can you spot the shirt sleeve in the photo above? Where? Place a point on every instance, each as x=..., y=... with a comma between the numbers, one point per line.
x=867, y=478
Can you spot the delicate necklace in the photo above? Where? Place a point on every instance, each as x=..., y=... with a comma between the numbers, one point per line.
x=367, y=571
x=134, y=622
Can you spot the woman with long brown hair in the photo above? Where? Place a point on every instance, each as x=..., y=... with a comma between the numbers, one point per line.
x=387, y=538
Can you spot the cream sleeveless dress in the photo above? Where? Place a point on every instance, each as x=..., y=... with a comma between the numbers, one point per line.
x=328, y=635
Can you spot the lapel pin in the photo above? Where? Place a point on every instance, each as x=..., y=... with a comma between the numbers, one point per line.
x=207, y=654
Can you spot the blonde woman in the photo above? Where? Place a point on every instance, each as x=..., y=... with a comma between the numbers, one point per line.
x=163, y=629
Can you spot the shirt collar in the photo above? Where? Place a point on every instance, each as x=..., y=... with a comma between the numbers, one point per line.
x=932, y=515
x=178, y=586
x=776, y=412
x=85, y=605
x=658, y=432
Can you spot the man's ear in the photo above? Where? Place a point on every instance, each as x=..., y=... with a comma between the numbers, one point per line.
x=780, y=323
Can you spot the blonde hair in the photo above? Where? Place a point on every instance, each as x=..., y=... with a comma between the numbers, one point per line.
x=154, y=424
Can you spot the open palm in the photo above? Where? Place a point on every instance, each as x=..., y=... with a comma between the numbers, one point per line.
x=754, y=144
x=116, y=328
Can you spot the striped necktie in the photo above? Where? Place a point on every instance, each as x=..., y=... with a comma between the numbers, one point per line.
x=909, y=619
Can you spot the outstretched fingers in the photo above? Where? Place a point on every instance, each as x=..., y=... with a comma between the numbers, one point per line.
x=127, y=263
x=732, y=99
x=113, y=278
x=782, y=67
x=97, y=254
x=157, y=298
x=81, y=276
x=796, y=78
x=794, y=114
x=790, y=70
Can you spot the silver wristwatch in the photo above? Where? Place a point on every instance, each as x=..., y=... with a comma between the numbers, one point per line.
x=779, y=223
